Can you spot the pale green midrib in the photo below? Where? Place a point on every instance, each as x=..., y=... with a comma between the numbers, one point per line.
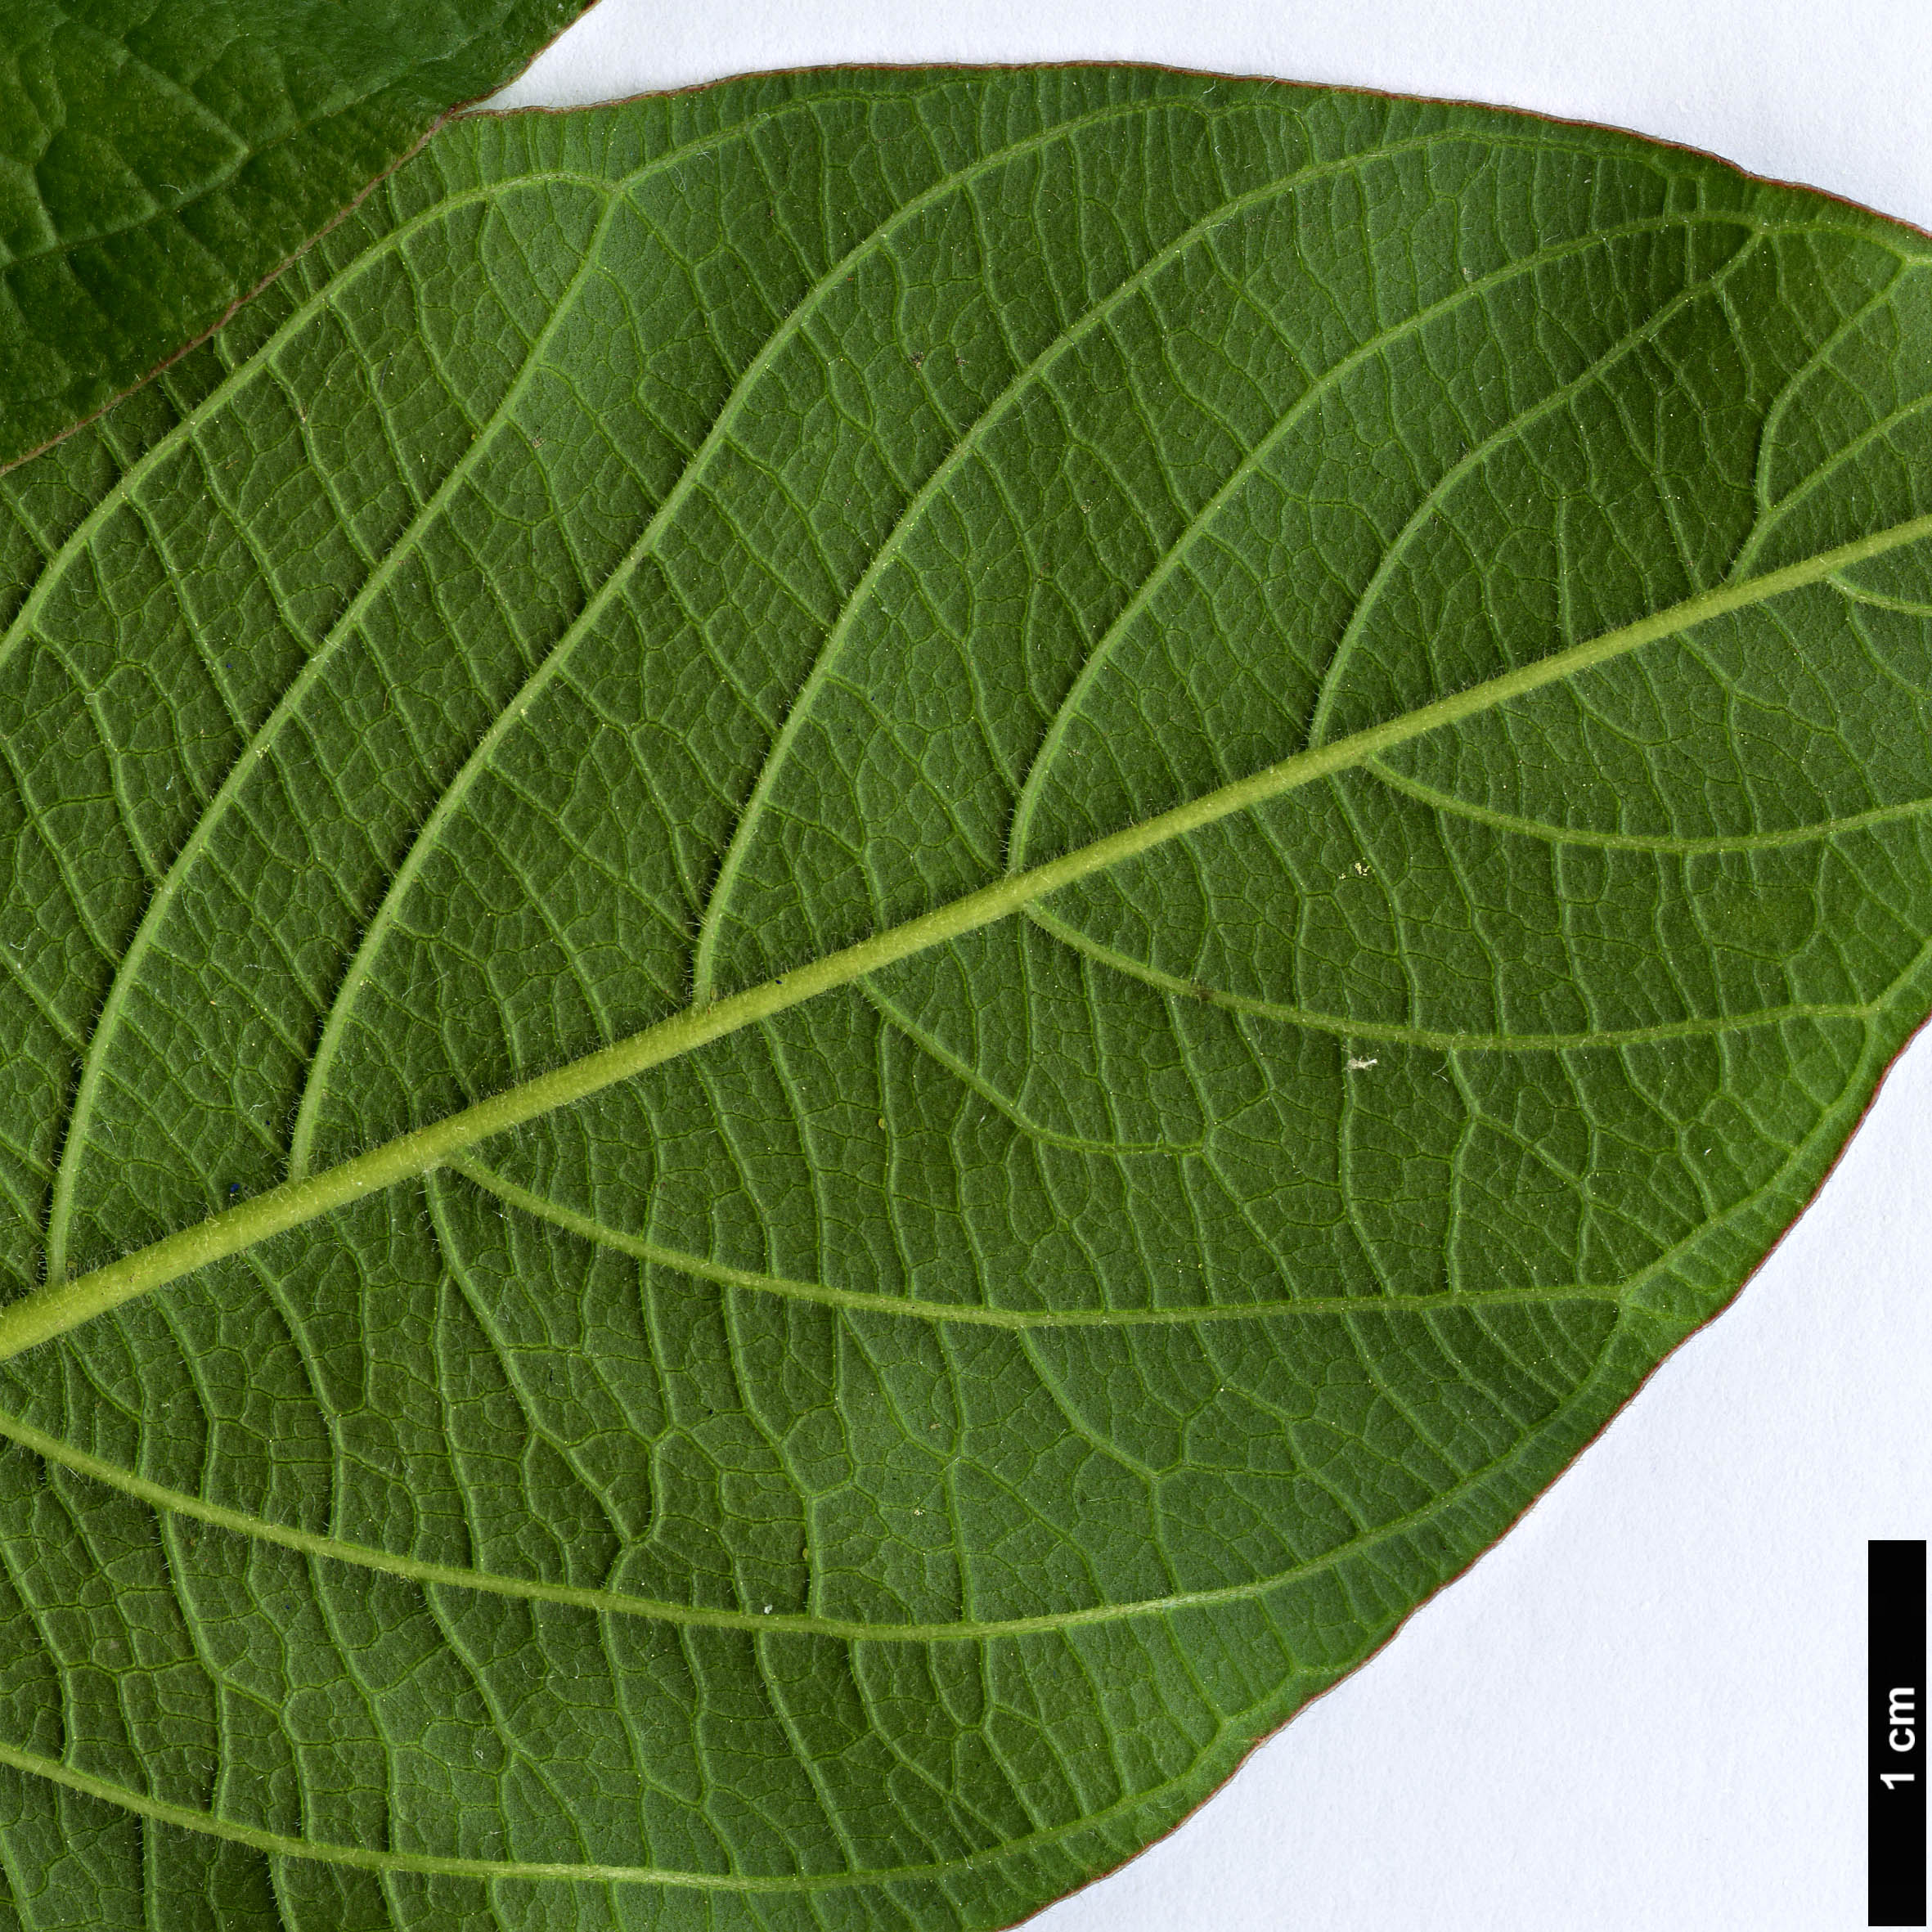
x=975, y=1315
x=1394, y=1033
x=282, y=1845
x=502, y=419
x=1667, y=844
x=375, y=933
x=262, y=365
x=1318, y=387
x=259, y=366
x=613, y=190
x=57, y=1306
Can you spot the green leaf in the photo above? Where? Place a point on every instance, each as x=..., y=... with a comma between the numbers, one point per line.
x=158, y=158
x=868, y=937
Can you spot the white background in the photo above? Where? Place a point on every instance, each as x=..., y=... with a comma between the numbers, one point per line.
x=1644, y=1709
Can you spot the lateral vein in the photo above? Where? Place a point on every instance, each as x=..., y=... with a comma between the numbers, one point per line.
x=1395, y=1033
x=972, y=1315
x=362, y=1556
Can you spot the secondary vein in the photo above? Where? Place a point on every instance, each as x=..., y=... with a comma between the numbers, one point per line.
x=976, y=1315
x=961, y=1629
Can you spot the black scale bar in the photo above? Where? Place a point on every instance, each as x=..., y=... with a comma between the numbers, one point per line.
x=1895, y=1783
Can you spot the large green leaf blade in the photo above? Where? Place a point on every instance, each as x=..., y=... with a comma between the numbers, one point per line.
x=159, y=160
x=964, y=915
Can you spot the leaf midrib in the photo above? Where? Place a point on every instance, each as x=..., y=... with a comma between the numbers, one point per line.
x=1497, y=1485
x=56, y=1307
x=210, y=1823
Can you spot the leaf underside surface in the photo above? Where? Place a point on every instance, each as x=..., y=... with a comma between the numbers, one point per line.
x=160, y=158
x=867, y=938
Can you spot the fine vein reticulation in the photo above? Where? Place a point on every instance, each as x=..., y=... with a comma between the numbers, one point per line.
x=160, y=162
x=867, y=938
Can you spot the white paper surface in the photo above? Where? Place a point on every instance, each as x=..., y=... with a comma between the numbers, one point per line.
x=1645, y=1707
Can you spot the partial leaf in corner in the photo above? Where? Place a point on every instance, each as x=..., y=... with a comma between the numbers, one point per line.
x=158, y=158
x=866, y=939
